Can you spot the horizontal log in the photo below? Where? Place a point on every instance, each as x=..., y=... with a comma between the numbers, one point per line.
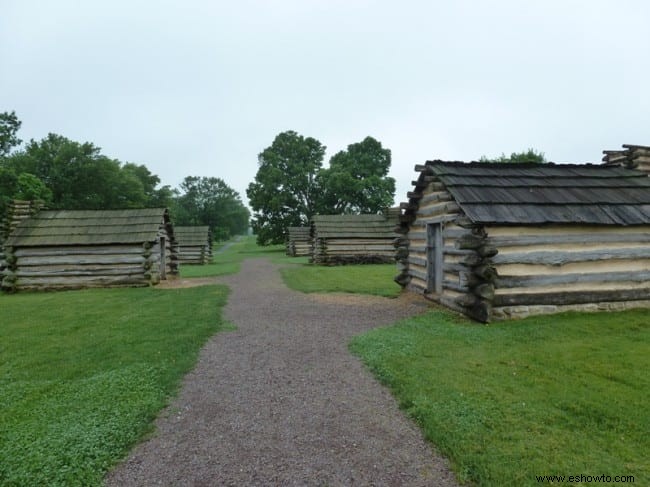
x=486, y=272
x=577, y=278
x=439, y=208
x=89, y=250
x=558, y=258
x=484, y=291
x=419, y=274
x=82, y=259
x=98, y=272
x=454, y=286
x=571, y=297
x=79, y=281
x=557, y=239
x=469, y=241
x=419, y=261
x=487, y=251
x=435, y=197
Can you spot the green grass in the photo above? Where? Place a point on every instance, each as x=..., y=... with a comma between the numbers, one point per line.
x=562, y=394
x=229, y=261
x=84, y=373
x=376, y=279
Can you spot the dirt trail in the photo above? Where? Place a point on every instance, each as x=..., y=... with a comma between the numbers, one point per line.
x=280, y=401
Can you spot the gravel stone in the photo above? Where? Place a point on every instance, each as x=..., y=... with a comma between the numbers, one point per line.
x=281, y=401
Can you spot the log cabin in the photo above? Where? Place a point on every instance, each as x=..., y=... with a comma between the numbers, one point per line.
x=298, y=241
x=498, y=241
x=90, y=248
x=194, y=244
x=354, y=239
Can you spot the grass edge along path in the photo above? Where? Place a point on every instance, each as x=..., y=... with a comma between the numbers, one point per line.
x=83, y=374
x=298, y=274
x=551, y=395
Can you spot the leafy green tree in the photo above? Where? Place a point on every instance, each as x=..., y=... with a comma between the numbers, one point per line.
x=80, y=177
x=285, y=192
x=9, y=126
x=531, y=155
x=210, y=201
x=357, y=180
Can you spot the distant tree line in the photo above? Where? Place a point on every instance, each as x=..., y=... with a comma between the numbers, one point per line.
x=71, y=175
x=291, y=184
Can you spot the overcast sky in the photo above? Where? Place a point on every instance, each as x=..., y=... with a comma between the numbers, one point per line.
x=200, y=88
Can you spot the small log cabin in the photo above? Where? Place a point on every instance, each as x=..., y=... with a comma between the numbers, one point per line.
x=194, y=244
x=298, y=241
x=498, y=241
x=90, y=248
x=354, y=239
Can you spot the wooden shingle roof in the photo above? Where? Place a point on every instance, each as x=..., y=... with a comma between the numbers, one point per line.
x=527, y=193
x=354, y=226
x=192, y=235
x=89, y=227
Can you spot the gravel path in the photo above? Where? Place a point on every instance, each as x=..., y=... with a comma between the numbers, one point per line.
x=280, y=401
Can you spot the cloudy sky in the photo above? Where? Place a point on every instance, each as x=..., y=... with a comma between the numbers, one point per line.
x=199, y=87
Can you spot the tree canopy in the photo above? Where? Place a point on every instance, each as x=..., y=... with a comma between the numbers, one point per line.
x=210, y=201
x=531, y=155
x=357, y=180
x=291, y=185
x=66, y=174
x=284, y=192
x=9, y=125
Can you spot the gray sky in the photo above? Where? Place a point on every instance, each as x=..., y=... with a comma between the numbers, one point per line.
x=200, y=88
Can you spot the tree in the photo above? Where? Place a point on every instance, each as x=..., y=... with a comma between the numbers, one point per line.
x=529, y=156
x=9, y=125
x=80, y=177
x=356, y=180
x=211, y=202
x=285, y=192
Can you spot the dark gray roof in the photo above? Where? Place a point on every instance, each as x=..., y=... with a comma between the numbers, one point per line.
x=354, y=226
x=193, y=235
x=530, y=193
x=89, y=227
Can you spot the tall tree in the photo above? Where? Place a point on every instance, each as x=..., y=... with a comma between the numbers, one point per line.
x=211, y=202
x=531, y=155
x=285, y=192
x=9, y=125
x=357, y=180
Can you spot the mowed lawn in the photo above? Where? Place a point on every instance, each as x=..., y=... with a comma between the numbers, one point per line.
x=84, y=373
x=554, y=395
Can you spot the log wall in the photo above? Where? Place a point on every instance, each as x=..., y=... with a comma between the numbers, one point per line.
x=466, y=277
x=298, y=242
x=353, y=239
x=554, y=268
x=74, y=267
x=501, y=272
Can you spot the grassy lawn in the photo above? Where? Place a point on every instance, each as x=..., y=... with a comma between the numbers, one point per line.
x=374, y=279
x=554, y=395
x=83, y=374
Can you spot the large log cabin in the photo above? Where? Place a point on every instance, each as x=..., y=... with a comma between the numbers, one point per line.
x=89, y=248
x=497, y=241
